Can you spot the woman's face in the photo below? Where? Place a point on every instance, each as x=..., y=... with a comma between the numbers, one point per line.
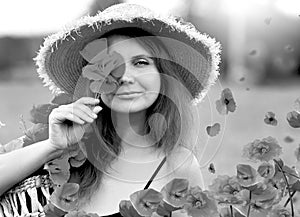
x=140, y=84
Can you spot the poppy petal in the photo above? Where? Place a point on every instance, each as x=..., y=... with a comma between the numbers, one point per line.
x=213, y=130
x=175, y=192
x=146, y=201
x=293, y=119
x=92, y=72
x=126, y=209
x=65, y=197
x=94, y=50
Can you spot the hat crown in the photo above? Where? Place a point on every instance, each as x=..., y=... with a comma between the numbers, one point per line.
x=127, y=10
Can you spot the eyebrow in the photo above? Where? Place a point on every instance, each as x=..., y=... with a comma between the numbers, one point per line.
x=142, y=56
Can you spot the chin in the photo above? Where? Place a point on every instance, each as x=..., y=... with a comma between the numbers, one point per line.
x=128, y=109
x=127, y=106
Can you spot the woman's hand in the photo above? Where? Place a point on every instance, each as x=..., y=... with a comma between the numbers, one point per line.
x=67, y=123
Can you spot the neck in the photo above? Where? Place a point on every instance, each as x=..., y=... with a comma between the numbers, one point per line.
x=130, y=127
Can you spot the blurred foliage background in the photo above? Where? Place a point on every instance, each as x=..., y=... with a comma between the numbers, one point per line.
x=260, y=64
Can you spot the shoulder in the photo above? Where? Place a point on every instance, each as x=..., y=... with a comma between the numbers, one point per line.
x=182, y=157
x=184, y=164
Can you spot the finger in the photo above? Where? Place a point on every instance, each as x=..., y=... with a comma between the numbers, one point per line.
x=87, y=110
x=61, y=116
x=82, y=115
x=76, y=110
x=88, y=101
x=97, y=109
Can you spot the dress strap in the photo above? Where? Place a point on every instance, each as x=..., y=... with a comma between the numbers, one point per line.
x=155, y=173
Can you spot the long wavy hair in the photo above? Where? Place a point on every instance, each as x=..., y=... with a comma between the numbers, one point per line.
x=173, y=103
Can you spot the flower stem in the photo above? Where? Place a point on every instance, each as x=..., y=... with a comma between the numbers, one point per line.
x=288, y=200
x=249, y=207
x=287, y=185
x=97, y=95
x=231, y=210
x=293, y=175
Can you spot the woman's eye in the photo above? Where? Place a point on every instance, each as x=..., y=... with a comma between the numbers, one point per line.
x=141, y=62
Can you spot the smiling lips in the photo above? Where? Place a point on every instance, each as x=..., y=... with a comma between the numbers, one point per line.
x=127, y=93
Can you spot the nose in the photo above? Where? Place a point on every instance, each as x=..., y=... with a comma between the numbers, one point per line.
x=127, y=78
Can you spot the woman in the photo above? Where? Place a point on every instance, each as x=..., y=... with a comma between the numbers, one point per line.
x=139, y=123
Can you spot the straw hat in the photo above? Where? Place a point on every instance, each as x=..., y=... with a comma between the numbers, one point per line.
x=60, y=63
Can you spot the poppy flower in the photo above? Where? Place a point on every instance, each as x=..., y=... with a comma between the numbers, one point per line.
x=174, y=192
x=270, y=119
x=65, y=197
x=51, y=210
x=165, y=209
x=146, y=201
x=59, y=169
x=279, y=211
x=246, y=175
x=225, y=189
x=226, y=103
x=291, y=174
x=36, y=133
x=213, y=130
x=255, y=208
x=40, y=113
x=266, y=170
x=12, y=145
x=262, y=198
x=127, y=210
x=277, y=180
x=77, y=158
x=104, y=68
x=211, y=168
x=293, y=119
x=295, y=186
x=200, y=203
x=62, y=99
x=262, y=150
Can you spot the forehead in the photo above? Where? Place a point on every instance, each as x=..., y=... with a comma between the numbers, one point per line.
x=126, y=46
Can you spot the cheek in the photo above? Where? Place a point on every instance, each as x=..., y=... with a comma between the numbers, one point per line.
x=152, y=87
x=150, y=98
x=151, y=82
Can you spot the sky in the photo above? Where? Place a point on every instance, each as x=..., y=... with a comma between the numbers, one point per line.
x=27, y=17
x=30, y=17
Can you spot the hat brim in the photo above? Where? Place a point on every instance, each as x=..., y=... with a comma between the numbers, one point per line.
x=60, y=63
